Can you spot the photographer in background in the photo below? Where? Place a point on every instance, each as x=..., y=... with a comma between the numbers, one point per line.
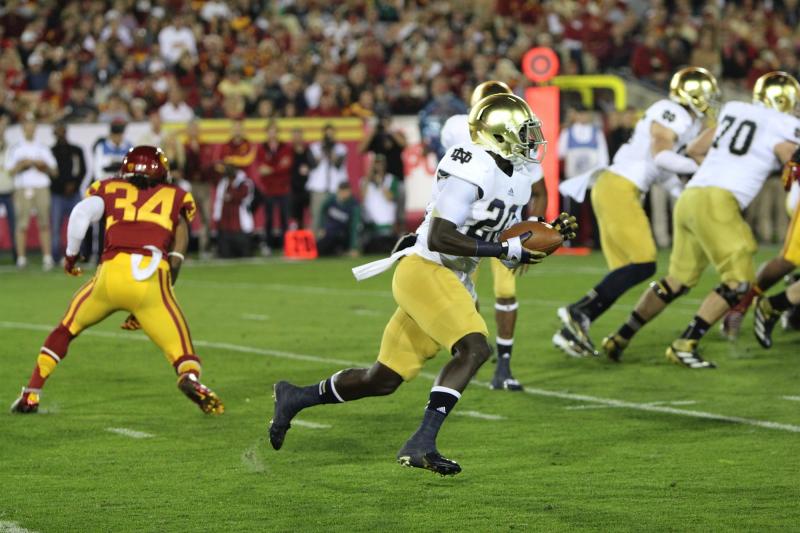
x=328, y=172
x=379, y=203
x=389, y=144
x=7, y=187
x=231, y=214
x=341, y=218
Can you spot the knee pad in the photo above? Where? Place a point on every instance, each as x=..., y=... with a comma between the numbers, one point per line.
x=732, y=295
x=665, y=292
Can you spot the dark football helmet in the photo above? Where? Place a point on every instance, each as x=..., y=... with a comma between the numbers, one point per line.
x=145, y=164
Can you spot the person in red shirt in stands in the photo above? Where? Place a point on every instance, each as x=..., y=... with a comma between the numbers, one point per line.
x=275, y=179
x=231, y=214
x=199, y=171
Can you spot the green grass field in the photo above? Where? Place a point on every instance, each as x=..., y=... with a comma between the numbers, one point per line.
x=641, y=446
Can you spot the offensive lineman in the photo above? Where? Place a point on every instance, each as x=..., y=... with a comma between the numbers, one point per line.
x=746, y=146
x=651, y=155
x=143, y=214
x=456, y=131
x=480, y=190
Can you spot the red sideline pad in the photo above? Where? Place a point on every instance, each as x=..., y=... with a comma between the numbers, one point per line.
x=578, y=250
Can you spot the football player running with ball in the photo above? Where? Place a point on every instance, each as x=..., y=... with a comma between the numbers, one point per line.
x=744, y=149
x=456, y=131
x=144, y=214
x=481, y=188
x=650, y=156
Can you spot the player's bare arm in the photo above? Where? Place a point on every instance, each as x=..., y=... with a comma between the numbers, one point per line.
x=662, y=147
x=698, y=148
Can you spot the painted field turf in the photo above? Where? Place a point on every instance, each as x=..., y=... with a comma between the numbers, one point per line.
x=643, y=445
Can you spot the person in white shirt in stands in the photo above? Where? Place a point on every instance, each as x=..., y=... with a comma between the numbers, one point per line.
x=175, y=109
x=582, y=146
x=329, y=170
x=379, y=200
x=32, y=165
x=176, y=39
x=154, y=134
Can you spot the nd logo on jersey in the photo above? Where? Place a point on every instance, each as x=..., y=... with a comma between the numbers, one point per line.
x=461, y=155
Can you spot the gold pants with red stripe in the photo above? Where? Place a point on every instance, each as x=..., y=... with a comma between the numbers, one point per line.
x=152, y=301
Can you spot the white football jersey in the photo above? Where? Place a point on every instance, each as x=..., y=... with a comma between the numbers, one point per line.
x=634, y=161
x=742, y=155
x=500, y=204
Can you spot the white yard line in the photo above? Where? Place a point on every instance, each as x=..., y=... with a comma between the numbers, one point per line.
x=792, y=398
x=310, y=425
x=132, y=433
x=368, y=312
x=595, y=406
x=476, y=414
x=258, y=318
x=766, y=424
x=13, y=527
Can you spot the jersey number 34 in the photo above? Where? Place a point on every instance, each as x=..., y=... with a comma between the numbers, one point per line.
x=156, y=209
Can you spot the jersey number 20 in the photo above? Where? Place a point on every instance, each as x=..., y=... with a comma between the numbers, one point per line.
x=488, y=228
x=156, y=209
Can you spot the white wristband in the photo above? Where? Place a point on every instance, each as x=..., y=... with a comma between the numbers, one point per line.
x=514, y=249
x=177, y=254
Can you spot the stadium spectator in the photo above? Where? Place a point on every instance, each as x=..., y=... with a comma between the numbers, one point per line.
x=107, y=157
x=176, y=156
x=302, y=161
x=198, y=171
x=209, y=106
x=379, y=192
x=65, y=187
x=341, y=219
x=232, y=215
x=7, y=188
x=177, y=39
x=384, y=141
x=32, y=166
x=442, y=105
x=582, y=147
x=275, y=174
x=154, y=134
x=114, y=110
x=327, y=173
x=767, y=213
x=79, y=108
x=175, y=109
x=620, y=126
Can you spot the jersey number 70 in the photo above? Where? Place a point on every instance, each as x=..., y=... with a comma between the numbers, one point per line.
x=742, y=136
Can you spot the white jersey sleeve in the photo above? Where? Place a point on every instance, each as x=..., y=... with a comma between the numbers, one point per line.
x=455, y=131
x=670, y=115
x=469, y=162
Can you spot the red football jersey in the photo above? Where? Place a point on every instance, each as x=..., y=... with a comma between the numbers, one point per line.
x=137, y=217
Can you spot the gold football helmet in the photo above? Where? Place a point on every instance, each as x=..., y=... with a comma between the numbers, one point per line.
x=778, y=90
x=488, y=88
x=695, y=88
x=504, y=124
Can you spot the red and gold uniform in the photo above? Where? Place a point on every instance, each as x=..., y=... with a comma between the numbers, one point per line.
x=136, y=219
x=134, y=275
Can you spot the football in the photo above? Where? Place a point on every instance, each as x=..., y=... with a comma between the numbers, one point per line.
x=543, y=237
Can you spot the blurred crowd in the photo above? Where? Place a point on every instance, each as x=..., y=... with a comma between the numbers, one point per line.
x=83, y=60
x=251, y=196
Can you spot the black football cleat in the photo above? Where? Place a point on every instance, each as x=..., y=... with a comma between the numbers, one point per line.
x=570, y=345
x=502, y=379
x=26, y=404
x=429, y=460
x=205, y=398
x=764, y=321
x=613, y=346
x=684, y=352
x=287, y=405
x=577, y=324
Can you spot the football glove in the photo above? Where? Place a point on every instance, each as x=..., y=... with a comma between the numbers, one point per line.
x=70, y=267
x=131, y=324
x=791, y=170
x=514, y=254
x=566, y=225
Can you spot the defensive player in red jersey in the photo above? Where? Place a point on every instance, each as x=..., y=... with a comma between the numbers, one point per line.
x=143, y=211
